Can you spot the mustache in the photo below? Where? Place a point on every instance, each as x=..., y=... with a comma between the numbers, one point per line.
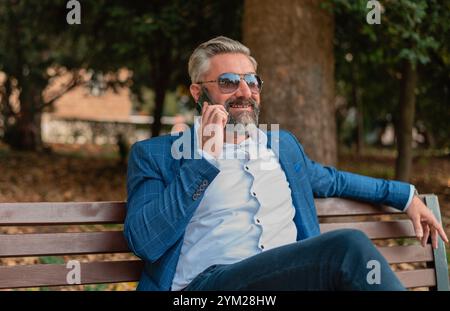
x=240, y=101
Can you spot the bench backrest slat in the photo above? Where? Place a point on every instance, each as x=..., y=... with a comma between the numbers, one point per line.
x=42, y=244
x=16, y=214
x=418, y=278
x=376, y=229
x=407, y=254
x=339, y=207
x=56, y=274
x=129, y=271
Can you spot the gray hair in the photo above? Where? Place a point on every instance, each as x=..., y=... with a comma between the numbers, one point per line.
x=199, y=60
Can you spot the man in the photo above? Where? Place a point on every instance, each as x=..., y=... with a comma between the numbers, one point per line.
x=219, y=217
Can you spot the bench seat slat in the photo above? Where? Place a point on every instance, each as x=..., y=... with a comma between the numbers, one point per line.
x=344, y=207
x=376, y=230
x=16, y=214
x=16, y=245
x=407, y=254
x=417, y=278
x=56, y=274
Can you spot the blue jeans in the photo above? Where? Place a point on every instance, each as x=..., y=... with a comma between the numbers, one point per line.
x=337, y=260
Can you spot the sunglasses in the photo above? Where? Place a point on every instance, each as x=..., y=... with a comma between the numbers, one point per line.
x=229, y=82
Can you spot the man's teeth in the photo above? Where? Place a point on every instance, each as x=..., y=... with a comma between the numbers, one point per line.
x=240, y=106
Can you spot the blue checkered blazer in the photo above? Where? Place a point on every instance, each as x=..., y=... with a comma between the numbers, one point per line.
x=164, y=192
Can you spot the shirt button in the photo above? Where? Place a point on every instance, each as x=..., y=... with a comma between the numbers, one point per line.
x=262, y=246
x=254, y=194
x=257, y=220
x=247, y=168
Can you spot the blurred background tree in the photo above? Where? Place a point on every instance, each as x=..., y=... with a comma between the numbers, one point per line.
x=396, y=72
x=385, y=70
x=293, y=43
x=153, y=39
x=34, y=50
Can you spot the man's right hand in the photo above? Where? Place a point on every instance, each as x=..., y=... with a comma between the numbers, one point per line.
x=211, y=135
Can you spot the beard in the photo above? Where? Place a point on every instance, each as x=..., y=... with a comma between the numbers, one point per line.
x=243, y=118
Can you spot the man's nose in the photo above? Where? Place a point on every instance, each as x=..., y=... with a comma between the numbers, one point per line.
x=243, y=90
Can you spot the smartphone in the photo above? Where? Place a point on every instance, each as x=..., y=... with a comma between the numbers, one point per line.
x=204, y=97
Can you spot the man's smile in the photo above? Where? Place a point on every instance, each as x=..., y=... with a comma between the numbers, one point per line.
x=247, y=107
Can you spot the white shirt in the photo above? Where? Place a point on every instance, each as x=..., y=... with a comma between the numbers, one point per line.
x=244, y=211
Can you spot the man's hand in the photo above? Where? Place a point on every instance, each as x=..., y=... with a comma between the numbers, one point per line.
x=425, y=223
x=214, y=120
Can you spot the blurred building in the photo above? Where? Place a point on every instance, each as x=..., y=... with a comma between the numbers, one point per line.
x=95, y=114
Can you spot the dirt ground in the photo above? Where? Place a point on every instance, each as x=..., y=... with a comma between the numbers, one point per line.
x=91, y=173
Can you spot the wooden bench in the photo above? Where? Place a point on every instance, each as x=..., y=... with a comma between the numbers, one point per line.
x=379, y=223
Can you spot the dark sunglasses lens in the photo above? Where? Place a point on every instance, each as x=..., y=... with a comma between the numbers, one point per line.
x=229, y=82
x=253, y=82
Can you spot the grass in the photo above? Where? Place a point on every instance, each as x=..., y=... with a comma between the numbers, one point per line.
x=51, y=260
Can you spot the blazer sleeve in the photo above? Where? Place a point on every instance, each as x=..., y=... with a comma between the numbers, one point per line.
x=158, y=213
x=327, y=181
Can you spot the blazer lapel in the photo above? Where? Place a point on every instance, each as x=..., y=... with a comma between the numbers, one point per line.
x=286, y=159
x=283, y=153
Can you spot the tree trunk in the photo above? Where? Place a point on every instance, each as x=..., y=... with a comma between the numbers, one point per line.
x=356, y=99
x=360, y=125
x=161, y=73
x=293, y=44
x=5, y=105
x=25, y=134
x=160, y=95
x=405, y=123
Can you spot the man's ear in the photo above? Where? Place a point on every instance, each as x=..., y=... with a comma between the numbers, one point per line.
x=195, y=90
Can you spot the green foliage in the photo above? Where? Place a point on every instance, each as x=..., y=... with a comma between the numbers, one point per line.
x=154, y=39
x=96, y=287
x=369, y=56
x=51, y=260
x=34, y=36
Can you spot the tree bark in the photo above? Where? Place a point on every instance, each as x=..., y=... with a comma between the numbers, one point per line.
x=356, y=99
x=5, y=104
x=25, y=134
x=161, y=71
x=405, y=122
x=160, y=95
x=293, y=44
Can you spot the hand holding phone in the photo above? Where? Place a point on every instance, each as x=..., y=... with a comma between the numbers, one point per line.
x=212, y=129
x=204, y=97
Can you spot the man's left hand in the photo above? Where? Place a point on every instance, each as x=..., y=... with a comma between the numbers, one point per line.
x=425, y=223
